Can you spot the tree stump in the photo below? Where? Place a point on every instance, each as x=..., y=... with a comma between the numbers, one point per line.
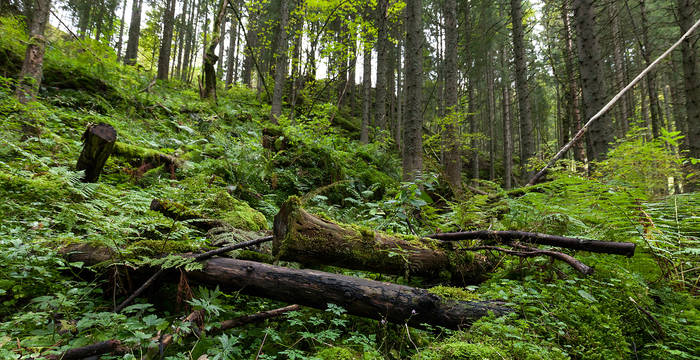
x=98, y=143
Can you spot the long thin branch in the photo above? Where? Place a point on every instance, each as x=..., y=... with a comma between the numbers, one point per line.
x=607, y=107
x=531, y=252
x=604, y=247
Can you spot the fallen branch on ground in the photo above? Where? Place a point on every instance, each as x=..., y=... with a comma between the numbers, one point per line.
x=604, y=247
x=104, y=347
x=531, y=252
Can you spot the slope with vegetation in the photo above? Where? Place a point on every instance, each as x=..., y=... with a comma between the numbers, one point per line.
x=230, y=164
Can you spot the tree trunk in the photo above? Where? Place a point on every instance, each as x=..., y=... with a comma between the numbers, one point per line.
x=600, y=133
x=491, y=112
x=654, y=107
x=526, y=128
x=412, y=159
x=507, y=136
x=167, y=42
x=691, y=79
x=210, y=57
x=302, y=237
x=451, y=143
x=98, y=144
x=574, y=103
x=251, y=39
x=618, y=59
x=382, y=49
x=120, y=43
x=366, y=92
x=281, y=63
x=132, y=47
x=33, y=65
x=232, y=52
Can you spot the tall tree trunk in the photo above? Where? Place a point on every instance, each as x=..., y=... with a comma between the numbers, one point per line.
x=450, y=140
x=399, y=94
x=32, y=67
x=251, y=39
x=132, y=47
x=526, y=128
x=189, y=34
x=600, y=132
x=574, y=103
x=210, y=58
x=166, y=44
x=507, y=135
x=232, y=51
x=382, y=49
x=413, y=126
x=654, y=107
x=281, y=63
x=220, y=64
x=181, y=29
x=366, y=92
x=491, y=116
x=619, y=66
x=691, y=80
x=121, y=32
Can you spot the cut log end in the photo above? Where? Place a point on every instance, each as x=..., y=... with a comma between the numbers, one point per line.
x=98, y=144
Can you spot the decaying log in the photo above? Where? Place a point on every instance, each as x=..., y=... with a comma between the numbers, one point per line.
x=179, y=212
x=146, y=158
x=98, y=144
x=104, y=347
x=305, y=238
x=361, y=297
x=605, y=247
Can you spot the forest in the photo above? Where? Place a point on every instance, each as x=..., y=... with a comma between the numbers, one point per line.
x=346, y=179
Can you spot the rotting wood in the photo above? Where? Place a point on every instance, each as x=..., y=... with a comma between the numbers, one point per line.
x=98, y=144
x=361, y=297
x=146, y=158
x=604, y=247
x=100, y=348
x=179, y=212
x=308, y=239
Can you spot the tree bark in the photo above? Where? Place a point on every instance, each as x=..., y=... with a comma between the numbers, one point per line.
x=619, y=67
x=382, y=49
x=691, y=79
x=574, y=103
x=33, y=65
x=98, y=144
x=132, y=46
x=366, y=92
x=167, y=41
x=526, y=128
x=451, y=145
x=120, y=42
x=600, y=132
x=281, y=63
x=231, y=76
x=210, y=57
x=302, y=237
x=96, y=349
x=507, y=135
x=412, y=159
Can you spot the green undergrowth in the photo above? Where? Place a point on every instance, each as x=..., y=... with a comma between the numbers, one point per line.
x=644, y=307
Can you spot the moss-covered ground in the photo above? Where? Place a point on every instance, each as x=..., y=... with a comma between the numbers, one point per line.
x=645, y=307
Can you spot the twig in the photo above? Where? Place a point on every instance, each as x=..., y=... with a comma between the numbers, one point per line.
x=261, y=347
x=607, y=107
x=257, y=317
x=531, y=252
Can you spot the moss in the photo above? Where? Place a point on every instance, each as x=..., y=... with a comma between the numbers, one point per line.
x=237, y=213
x=155, y=247
x=453, y=293
x=255, y=256
x=460, y=350
x=337, y=353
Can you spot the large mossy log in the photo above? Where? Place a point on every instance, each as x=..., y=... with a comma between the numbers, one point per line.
x=361, y=297
x=305, y=238
x=98, y=144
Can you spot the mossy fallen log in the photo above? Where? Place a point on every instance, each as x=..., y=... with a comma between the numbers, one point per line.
x=361, y=297
x=179, y=212
x=98, y=144
x=305, y=238
x=141, y=156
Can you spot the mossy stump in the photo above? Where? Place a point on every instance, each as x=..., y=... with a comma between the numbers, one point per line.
x=98, y=144
x=308, y=239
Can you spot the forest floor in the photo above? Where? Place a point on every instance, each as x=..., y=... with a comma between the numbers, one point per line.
x=229, y=167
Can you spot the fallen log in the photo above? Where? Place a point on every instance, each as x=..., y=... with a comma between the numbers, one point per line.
x=98, y=144
x=100, y=348
x=179, y=212
x=361, y=297
x=308, y=239
x=146, y=158
x=604, y=247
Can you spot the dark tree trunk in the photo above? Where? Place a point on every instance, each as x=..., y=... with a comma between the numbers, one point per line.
x=98, y=144
x=526, y=129
x=600, y=133
x=167, y=41
x=451, y=144
x=132, y=47
x=251, y=39
x=382, y=49
x=412, y=159
x=366, y=92
x=232, y=52
x=574, y=103
x=33, y=65
x=507, y=135
x=281, y=63
x=120, y=43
